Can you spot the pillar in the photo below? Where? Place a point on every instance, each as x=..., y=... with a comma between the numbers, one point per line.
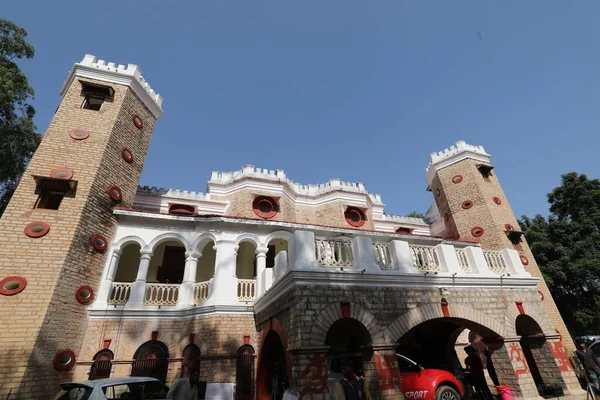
x=281, y=264
x=108, y=277
x=138, y=289
x=402, y=257
x=448, y=259
x=513, y=370
x=362, y=249
x=305, y=256
x=223, y=289
x=186, y=289
x=310, y=373
x=387, y=373
x=261, y=265
x=477, y=261
x=514, y=264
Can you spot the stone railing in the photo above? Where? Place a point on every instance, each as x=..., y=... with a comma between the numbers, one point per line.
x=161, y=294
x=246, y=289
x=120, y=293
x=463, y=260
x=201, y=292
x=425, y=258
x=495, y=261
x=382, y=254
x=334, y=252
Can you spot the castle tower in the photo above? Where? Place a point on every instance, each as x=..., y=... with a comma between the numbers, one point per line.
x=60, y=220
x=473, y=206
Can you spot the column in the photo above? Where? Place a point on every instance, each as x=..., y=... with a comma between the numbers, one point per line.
x=387, y=373
x=281, y=264
x=477, y=261
x=402, y=257
x=261, y=265
x=448, y=259
x=309, y=371
x=512, y=369
x=108, y=277
x=186, y=289
x=305, y=257
x=514, y=264
x=138, y=289
x=362, y=251
x=224, y=287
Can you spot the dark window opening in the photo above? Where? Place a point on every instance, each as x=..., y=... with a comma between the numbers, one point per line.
x=514, y=237
x=49, y=200
x=404, y=231
x=95, y=96
x=173, y=265
x=182, y=209
x=485, y=170
x=245, y=373
x=102, y=365
x=271, y=256
x=51, y=192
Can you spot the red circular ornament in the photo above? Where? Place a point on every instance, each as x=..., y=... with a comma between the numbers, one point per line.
x=12, y=285
x=127, y=155
x=37, y=229
x=265, y=207
x=457, y=179
x=509, y=227
x=137, y=121
x=79, y=133
x=355, y=216
x=99, y=242
x=477, y=231
x=114, y=192
x=497, y=200
x=541, y=295
x=524, y=260
x=64, y=360
x=467, y=204
x=437, y=192
x=84, y=294
x=61, y=173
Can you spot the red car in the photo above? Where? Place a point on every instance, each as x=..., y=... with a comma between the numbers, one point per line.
x=419, y=383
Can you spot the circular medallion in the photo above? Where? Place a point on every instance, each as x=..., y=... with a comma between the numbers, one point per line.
x=99, y=242
x=84, y=294
x=477, y=231
x=137, y=121
x=37, y=229
x=61, y=173
x=79, y=133
x=12, y=285
x=127, y=155
x=114, y=192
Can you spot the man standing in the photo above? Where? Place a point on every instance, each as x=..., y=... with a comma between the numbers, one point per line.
x=351, y=387
x=592, y=366
x=186, y=388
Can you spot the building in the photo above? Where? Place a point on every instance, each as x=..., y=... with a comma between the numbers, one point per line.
x=259, y=278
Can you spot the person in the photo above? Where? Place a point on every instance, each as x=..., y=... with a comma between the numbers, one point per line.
x=351, y=387
x=186, y=388
x=476, y=374
x=592, y=366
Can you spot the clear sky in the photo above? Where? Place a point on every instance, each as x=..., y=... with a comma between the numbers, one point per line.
x=357, y=90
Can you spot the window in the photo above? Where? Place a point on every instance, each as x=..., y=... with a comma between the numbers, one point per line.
x=244, y=373
x=271, y=256
x=137, y=390
x=50, y=200
x=407, y=365
x=173, y=265
x=182, y=209
x=74, y=392
x=265, y=207
x=355, y=216
x=404, y=231
x=485, y=170
x=102, y=365
x=95, y=96
x=52, y=191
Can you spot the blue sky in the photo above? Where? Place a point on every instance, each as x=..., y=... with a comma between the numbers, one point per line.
x=357, y=90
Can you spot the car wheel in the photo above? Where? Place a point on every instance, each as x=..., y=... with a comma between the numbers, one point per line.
x=446, y=393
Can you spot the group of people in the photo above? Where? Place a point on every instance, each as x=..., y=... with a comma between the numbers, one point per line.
x=590, y=363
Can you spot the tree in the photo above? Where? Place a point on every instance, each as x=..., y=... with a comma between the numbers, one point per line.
x=415, y=214
x=566, y=245
x=18, y=139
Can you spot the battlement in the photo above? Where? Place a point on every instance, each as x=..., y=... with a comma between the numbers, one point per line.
x=403, y=220
x=250, y=171
x=91, y=67
x=180, y=194
x=453, y=154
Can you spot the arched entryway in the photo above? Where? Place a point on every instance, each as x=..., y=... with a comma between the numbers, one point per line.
x=102, y=365
x=151, y=359
x=190, y=359
x=244, y=387
x=272, y=378
x=538, y=355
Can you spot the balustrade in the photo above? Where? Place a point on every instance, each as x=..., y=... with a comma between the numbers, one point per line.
x=425, y=258
x=334, y=252
x=161, y=294
x=383, y=256
x=246, y=289
x=201, y=292
x=495, y=261
x=120, y=293
x=463, y=260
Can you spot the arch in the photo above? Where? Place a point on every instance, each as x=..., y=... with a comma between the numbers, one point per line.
x=278, y=235
x=101, y=365
x=417, y=315
x=151, y=359
x=127, y=240
x=274, y=326
x=244, y=386
x=169, y=236
x=129, y=261
x=248, y=237
x=202, y=241
x=333, y=312
x=512, y=313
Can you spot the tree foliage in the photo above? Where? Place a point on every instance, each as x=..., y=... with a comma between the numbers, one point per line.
x=415, y=214
x=18, y=139
x=566, y=245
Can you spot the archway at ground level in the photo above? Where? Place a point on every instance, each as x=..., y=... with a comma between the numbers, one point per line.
x=272, y=377
x=244, y=374
x=538, y=355
x=190, y=359
x=151, y=359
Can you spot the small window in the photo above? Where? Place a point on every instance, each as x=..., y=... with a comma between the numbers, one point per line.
x=52, y=191
x=404, y=231
x=355, y=216
x=182, y=209
x=49, y=200
x=95, y=96
x=485, y=170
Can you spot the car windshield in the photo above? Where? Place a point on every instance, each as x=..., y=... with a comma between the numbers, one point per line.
x=135, y=390
x=74, y=392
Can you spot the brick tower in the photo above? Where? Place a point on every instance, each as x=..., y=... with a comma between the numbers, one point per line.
x=473, y=205
x=59, y=221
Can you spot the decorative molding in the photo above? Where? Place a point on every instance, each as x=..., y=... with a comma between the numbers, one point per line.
x=152, y=312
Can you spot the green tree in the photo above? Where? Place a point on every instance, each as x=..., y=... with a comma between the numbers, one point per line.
x=415, y=214
x=566, y=245
x=18, y=137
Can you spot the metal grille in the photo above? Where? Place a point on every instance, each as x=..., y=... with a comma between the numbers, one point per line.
x=425, y=258
x=120, y=293
x=335, y=253
x=463, y=261
x=153, y=368
x=100, y=369
x=495, y=261
x=244, y=373
x=383, y=257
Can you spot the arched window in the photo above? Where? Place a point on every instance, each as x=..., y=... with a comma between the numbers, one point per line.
x=151, y=359
x=244, y=387
x=102, y=365
x=191, y=357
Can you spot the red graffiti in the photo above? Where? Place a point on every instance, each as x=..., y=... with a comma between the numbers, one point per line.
x=316, y=372
x=560, y=355
x=518, y=359
x=387, y=372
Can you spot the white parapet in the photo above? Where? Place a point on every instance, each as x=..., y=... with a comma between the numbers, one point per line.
x=130, y=75
x=460, y=151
